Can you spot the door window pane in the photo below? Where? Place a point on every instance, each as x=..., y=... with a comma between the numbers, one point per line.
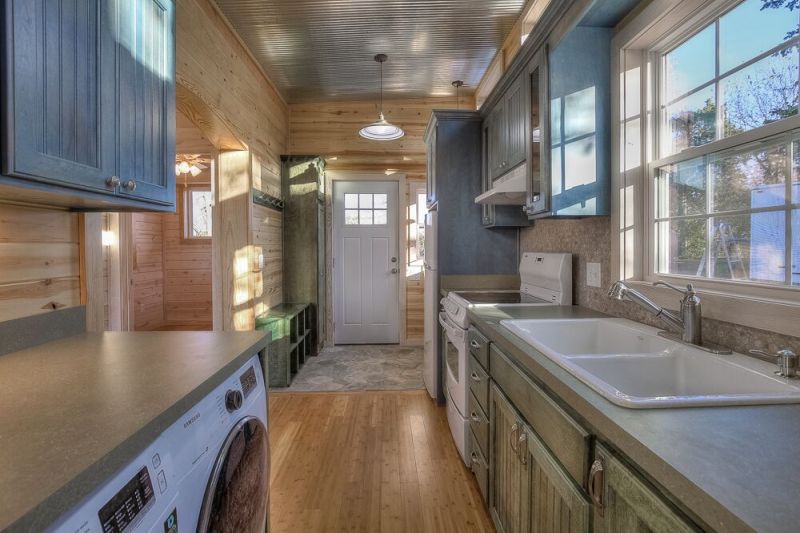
x=351, y=216
x=690, y=65
x=350, y=201
x=365, y=216
x=752, y=28
x=380, y=201
x=365, y=201
x=764, y=92
x=379, y=217
x=690, y=121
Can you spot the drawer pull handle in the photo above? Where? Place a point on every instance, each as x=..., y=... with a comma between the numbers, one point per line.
x=475, y=418
x=475, y=344
x=523, y=452
x=513, y=437
x=596, y=473
x=475, y=377
x=476, y=461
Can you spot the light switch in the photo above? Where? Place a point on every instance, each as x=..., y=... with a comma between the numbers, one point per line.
x=593, y=274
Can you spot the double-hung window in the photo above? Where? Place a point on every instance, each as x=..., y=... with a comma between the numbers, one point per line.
x=719, y=193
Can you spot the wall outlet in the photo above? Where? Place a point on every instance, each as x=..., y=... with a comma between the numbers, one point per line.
x=593, y=274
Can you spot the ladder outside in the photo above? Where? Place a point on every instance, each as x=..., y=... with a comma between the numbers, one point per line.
x=724, y=245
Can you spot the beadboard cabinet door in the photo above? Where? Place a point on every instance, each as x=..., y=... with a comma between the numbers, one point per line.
x=555, y=503
x=508, y=480
x=516, y=124
x=625, y=504
x=144, y=37
x=59, y=125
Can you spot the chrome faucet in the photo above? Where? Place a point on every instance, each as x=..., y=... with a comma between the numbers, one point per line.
x=687, y=322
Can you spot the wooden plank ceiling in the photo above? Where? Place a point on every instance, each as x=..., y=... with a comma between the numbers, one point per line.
x=321, y=50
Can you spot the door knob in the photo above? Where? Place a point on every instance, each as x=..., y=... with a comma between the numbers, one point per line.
x=113, y=181
x=130, y=185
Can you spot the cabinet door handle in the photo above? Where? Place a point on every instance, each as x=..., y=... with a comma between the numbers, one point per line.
x=475, y=459
x=523, y=452
x=475, y=377
x=475, y=344
x=513, y=437
x=475, y=418
x=112, y=181
x=596, y=473
x=130, y=185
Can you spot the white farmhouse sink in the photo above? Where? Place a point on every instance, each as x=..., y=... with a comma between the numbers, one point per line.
x=632, y=366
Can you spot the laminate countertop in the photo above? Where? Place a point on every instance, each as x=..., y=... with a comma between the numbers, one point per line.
x=76, y=410
x=730, y=468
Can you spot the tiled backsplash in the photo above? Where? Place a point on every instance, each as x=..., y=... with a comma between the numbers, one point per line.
x=589, y=241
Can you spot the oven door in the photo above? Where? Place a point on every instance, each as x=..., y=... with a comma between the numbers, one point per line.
x=454, y=348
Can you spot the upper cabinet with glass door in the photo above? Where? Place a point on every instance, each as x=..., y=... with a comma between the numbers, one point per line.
x=90, y=103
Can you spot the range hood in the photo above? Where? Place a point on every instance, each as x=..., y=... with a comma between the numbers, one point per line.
x=508, y=189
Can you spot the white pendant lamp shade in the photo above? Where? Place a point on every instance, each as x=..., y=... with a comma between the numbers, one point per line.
x=381, y=130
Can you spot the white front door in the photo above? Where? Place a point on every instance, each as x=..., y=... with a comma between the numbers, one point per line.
x=366, y=262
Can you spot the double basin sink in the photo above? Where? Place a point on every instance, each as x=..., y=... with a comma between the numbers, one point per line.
x=632, y=366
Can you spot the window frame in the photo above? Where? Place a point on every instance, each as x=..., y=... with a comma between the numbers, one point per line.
x=642, y=43
x=186, y=217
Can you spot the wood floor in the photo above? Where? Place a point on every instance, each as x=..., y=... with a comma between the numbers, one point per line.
x=367, y=461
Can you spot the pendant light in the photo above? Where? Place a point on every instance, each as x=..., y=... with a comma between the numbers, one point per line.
x=458, y=84
x=381, y=130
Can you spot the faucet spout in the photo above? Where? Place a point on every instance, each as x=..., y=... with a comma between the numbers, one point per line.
x=620, y=291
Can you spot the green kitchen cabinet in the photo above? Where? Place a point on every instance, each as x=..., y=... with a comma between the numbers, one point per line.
x=530, y=491
x=623, y=502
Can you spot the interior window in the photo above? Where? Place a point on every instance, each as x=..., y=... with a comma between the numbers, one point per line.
x=730, y=210
x=198, y=213
x=365, y=209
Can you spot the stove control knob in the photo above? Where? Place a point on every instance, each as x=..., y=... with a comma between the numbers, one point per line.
x=233, y=400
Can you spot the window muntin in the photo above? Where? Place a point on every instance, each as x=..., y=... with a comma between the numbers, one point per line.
x=733, y=214
x=198, y=213
x=738, y=73
x=366, y=209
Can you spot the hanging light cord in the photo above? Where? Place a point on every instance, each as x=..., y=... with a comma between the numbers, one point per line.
x=381, y=63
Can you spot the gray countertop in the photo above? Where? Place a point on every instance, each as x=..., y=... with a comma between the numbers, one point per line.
x=74, y=411
x=730, y=468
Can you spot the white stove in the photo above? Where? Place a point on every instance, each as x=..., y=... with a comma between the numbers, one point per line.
x=545, y=279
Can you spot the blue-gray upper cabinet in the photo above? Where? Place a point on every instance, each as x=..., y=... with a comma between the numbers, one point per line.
x=516, y=122
x=496, y=132
x=89, y=104
x=60, y=113
x=143, y=33
x=430, y=143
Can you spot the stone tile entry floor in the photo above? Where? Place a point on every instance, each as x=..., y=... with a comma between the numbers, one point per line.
x=363, y=367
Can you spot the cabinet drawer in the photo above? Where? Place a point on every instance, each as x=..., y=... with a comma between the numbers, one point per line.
x=567, y=440
x=479, y=423
x=478, y=346
x=480, y=467
x=479, y=383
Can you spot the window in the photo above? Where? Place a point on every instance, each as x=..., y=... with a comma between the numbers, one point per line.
x=365, y=209
x=197, y=221
x=417, y=199
x=725, y=182
x=707, y=155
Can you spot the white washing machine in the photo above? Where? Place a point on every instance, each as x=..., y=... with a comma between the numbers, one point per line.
x=209, y=471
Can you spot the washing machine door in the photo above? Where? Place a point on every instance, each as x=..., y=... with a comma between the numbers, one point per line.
x=237, y=496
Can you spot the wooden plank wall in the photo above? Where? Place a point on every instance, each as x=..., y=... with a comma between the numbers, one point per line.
x=39, y=261
x=187, y=274
x=147, y=273
x=330, y=129
x=267, y=240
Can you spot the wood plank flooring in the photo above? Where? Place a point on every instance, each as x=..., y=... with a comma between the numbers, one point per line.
x=368, y=461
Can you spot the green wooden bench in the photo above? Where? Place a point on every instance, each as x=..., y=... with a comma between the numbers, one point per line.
x=292, y=327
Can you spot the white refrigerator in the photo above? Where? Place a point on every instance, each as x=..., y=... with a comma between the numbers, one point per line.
x=432, y=368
